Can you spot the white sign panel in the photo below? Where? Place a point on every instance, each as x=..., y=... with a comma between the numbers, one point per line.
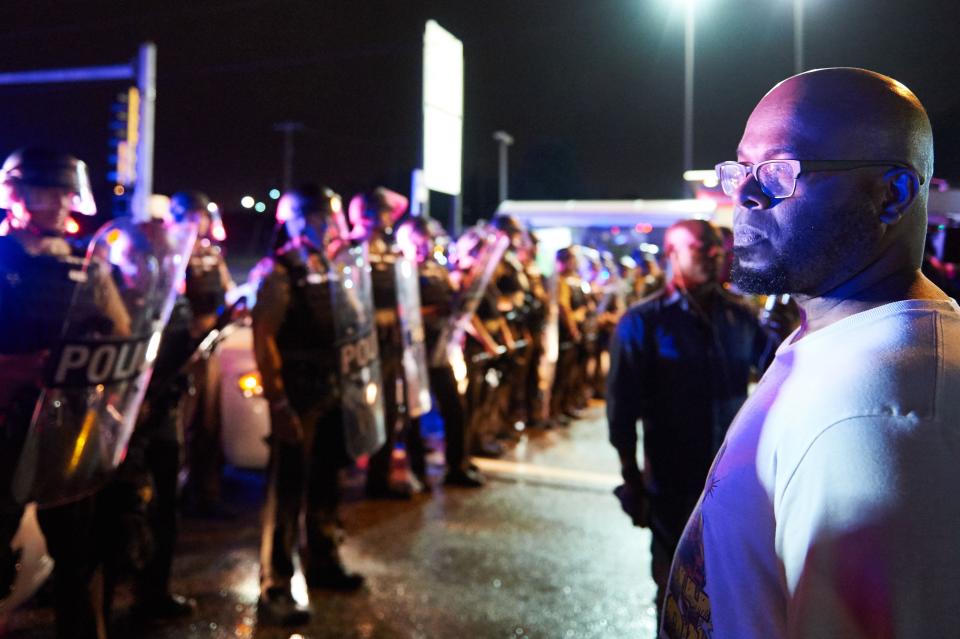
x=442, y=109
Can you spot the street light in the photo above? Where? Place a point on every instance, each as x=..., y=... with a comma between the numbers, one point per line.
x=689, y=7
x=798, y=36
x=288, y=129
x=504, y=140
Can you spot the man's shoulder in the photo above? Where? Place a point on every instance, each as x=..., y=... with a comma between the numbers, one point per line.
x=647, y=305
x=737, y=304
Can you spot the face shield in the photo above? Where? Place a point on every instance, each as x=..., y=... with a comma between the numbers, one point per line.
x=218, y=232
x=318, y=220
x=62, y=172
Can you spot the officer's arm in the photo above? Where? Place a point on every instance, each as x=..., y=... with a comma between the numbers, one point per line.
x=226, y=280
x=625, y=383
x=477, y=329
x=564, y=306
x=273, y=298
x=504, y=328
x=110, y=303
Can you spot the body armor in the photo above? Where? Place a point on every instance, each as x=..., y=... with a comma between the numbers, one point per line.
x=307, y=337
x=436, y=292
x=35, y=293
x=204, y=283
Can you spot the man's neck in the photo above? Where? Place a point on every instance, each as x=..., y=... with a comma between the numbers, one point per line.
x=856, y=296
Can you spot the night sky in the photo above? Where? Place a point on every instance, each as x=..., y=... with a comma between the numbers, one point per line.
x=590, y=89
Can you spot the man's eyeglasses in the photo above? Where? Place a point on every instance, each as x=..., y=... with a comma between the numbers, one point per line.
x=778, y=178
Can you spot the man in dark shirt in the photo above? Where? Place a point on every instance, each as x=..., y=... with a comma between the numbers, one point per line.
x=680, y=362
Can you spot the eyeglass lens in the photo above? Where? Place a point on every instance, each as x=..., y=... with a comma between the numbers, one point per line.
x=777, y=179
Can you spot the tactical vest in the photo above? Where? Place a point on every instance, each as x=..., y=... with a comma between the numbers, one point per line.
x=384, y=279
x=204, y=284
x=435, y=291
x=308, y=328
x=36, y=292
x=307, y=337
x=578, y=299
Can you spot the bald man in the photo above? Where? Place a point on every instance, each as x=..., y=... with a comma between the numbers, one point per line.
x=680, y=362
x=831, y=509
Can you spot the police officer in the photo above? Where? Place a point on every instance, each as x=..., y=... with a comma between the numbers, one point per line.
x=437, y=300
x=39, y=188
x=487, y=343
x=519, y=302
x=207, y=282
x=539, y=302
x=151, y=467
x=373, y=217
x=294, y=344
x=572, y=309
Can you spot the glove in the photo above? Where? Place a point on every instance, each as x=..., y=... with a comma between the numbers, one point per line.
x=285, y=426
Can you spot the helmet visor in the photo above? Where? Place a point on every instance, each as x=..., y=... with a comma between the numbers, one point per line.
x=72, y=176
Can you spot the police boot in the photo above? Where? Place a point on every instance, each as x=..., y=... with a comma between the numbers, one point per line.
x=277, y=607
x=165, y=606
x=464, y=478
x=334, y=577
x=324, y=569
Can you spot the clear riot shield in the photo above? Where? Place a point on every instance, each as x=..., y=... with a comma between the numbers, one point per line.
x=361, y=384
x=449, y=346
x=415, y=371
x=96, y=376
x=551, y=347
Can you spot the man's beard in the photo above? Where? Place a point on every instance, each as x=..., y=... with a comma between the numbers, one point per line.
x=808, y=262
x=772, y=280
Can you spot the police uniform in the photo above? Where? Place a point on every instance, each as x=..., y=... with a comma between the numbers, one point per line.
x=483, y=399
x=383, y=257
x=294, y=302
x=37, y=283
x=437, y=299
x=205, y=290
x=516, y=297
x=144, y=495
x=567, y=384
x=537, y=304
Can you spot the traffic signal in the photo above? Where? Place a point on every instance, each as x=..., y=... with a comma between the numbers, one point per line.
x=124, y=135
x=124, y=129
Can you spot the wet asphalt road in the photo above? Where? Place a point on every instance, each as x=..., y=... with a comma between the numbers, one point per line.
x=542, y=551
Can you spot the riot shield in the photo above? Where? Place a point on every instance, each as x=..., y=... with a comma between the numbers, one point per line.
x=551, y=346
x=361, y=384
x=492, y=246
x=97, y=373
x=415, y=373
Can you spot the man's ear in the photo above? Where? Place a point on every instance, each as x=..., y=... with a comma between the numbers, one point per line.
x=901, y=188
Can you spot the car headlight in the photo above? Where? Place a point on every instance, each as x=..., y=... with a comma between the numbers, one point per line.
x=250, y=385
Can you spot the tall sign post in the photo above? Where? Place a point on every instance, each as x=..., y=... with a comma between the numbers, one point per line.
x=443, y=116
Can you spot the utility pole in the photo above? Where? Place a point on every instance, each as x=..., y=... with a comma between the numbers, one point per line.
x=288, y=129
x=143, y=70
x=504, y=141
x=798, y=36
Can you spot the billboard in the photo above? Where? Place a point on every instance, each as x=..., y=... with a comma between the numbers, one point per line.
x=442, y=109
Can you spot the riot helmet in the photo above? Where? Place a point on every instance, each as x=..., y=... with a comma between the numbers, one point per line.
x=43, y=186
x=185, y=204
x=468, y=247
x=311, y=211
x=423, y=238
x=514, y=229
x=379, y=209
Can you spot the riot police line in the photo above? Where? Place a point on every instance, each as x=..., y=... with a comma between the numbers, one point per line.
x=365, y=319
